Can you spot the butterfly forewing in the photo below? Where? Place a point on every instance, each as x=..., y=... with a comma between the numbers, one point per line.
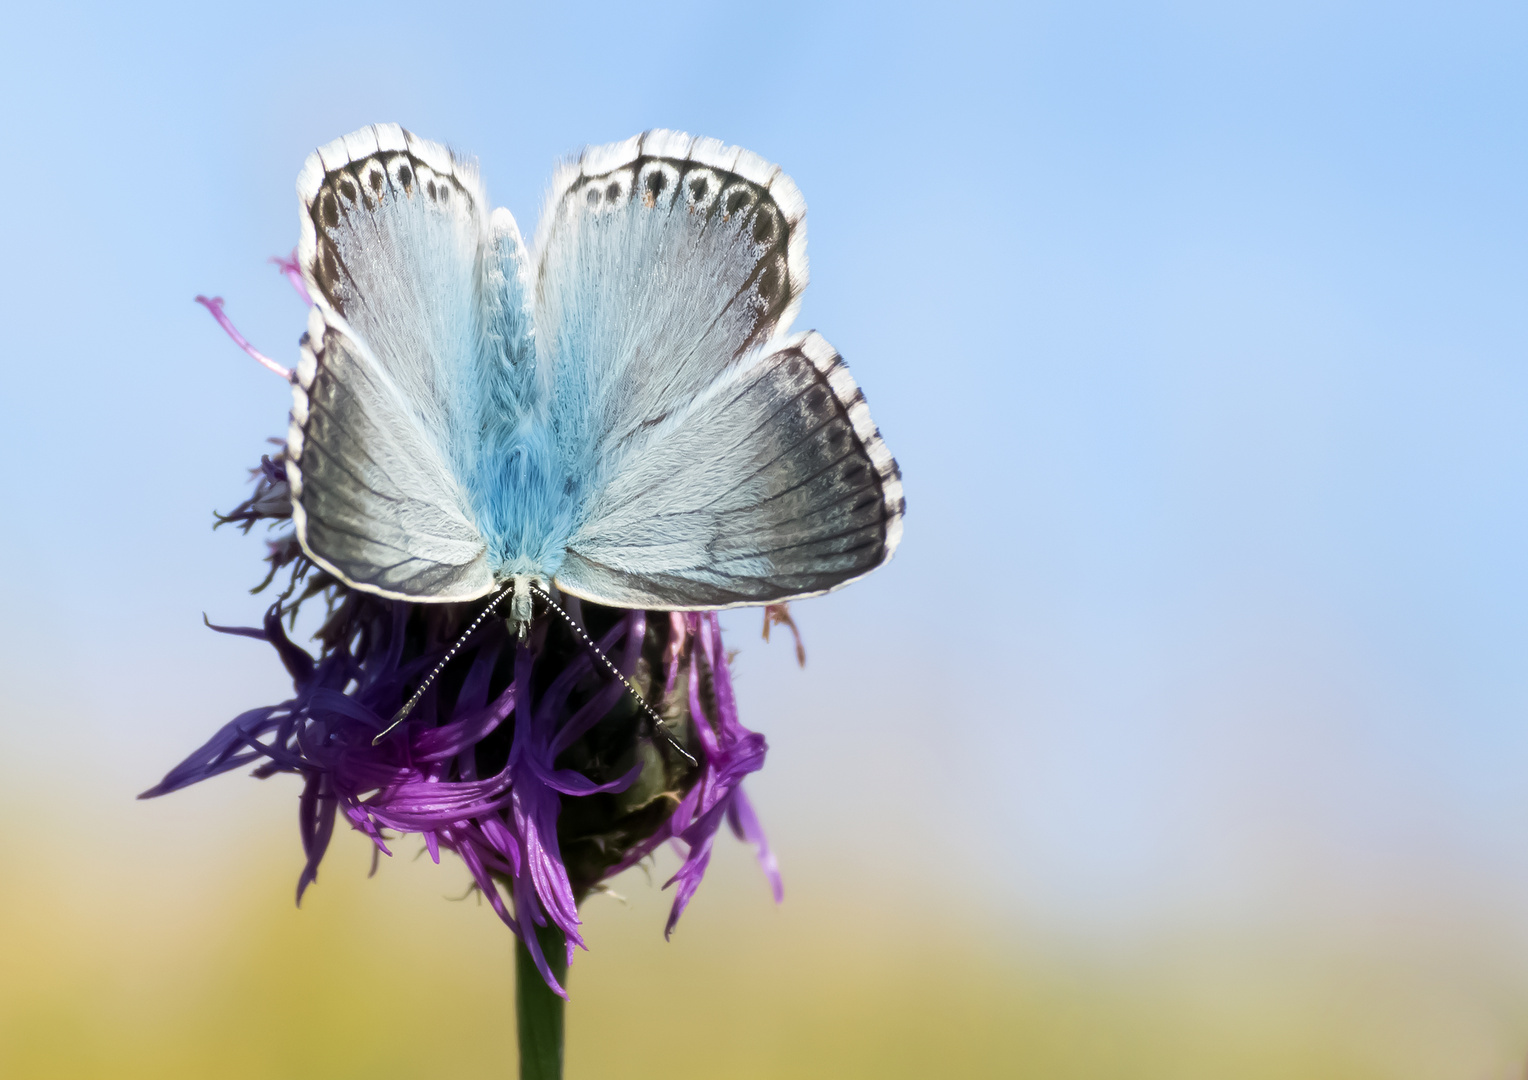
x=661, y=262
x=396, y=237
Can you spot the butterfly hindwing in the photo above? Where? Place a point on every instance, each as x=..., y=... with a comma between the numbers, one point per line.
x=773, y=484
x=372, y=499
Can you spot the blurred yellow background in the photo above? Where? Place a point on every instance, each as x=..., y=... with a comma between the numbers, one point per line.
x=198, y=965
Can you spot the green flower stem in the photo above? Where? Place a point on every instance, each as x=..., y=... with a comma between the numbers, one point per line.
x=538, y=1010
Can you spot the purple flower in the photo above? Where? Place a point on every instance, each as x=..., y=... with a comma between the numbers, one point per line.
x=525, y=759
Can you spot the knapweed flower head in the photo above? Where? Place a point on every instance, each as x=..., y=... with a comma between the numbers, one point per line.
x=525, y=758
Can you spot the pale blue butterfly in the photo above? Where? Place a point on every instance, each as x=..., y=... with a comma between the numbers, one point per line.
x=620, y=414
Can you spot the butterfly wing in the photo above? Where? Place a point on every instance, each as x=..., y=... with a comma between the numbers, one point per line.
x=372, y=498
x=719, y=464
x=660, y=262
x=421, y=329
x=773, y=485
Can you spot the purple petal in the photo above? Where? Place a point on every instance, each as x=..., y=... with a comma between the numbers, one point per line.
x=745, y=826
x=293, y=273
x=215, y=305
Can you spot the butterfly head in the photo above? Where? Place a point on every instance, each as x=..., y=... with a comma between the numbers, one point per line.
x=521, y=610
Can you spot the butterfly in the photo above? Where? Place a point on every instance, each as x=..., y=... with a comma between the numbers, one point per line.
x=621, y=413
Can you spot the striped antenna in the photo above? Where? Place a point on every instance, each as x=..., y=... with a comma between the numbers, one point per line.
x=658, y=722
x=408, y=706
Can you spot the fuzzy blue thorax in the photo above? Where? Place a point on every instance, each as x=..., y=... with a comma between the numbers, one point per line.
x=525, y=504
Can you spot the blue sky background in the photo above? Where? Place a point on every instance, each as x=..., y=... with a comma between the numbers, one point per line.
x=1199, y=332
